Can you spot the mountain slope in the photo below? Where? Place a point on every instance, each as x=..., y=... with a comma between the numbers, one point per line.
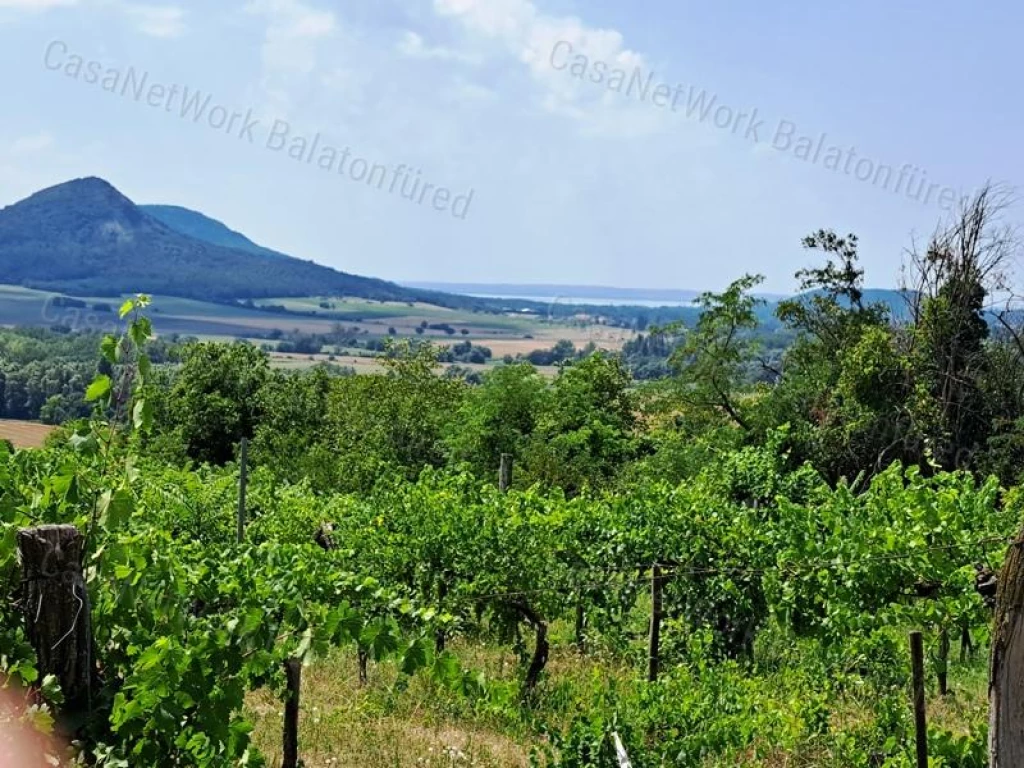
x=196, y=225
x=85, y=237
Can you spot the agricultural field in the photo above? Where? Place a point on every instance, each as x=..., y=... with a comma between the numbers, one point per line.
x=24, y=434
x=511, y=335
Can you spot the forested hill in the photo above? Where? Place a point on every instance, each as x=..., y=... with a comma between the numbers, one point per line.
x=201, y=227
x=85, y=237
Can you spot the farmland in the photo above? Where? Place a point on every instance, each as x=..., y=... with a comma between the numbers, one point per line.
x=504, y=334
x=24, y=434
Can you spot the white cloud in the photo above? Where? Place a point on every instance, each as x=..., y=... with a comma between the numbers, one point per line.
x=530, y=35
x=293, y=30
x=413, y=46
x=289, y=53
x=35, y=5
x=166, y=21
x=34, y=143
x=153, y=20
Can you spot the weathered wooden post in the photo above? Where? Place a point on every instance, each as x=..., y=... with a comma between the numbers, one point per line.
x=943, y=671
x=1006, y=665
x=505, y=473
x=581, y=623
x=57, y=611
x=654, y=645
x=364, y=658
x=293, y=677
x=243, y=481
x=920, y=718
x=966, y=647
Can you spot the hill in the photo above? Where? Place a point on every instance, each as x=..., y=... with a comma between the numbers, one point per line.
x=85, y=237
x=197, y=225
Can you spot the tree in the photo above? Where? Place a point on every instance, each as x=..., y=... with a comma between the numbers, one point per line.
x=497, y=417
x=965, y=263
x=293, y=435
x=391, y=422
x=584, y=434
x=711, y=362
x=843, y=384
x=830, y=309
x=215, y=401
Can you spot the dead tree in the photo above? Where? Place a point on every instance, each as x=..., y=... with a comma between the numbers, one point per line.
x=949, y=288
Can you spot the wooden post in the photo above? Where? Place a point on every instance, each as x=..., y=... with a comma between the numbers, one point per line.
x=505, y=473
x=364, y=658
x=58, y=623
x=943, y=671
x=293, y=676
x=581, y=623
x=1006, y=665
x=920, y=718
x=653, y=658
x=243, y=481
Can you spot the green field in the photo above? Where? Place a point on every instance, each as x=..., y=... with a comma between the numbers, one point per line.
x=504, y=334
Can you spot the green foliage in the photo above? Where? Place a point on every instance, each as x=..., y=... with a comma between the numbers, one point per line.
x=214, y=402
x=585, y=434
x=802, y=525
x=711, y=361
x=497, y=417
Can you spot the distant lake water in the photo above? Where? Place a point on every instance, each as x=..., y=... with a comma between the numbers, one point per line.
x=603, y=302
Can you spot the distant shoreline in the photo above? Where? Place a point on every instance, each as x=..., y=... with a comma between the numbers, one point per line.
x=570, y=294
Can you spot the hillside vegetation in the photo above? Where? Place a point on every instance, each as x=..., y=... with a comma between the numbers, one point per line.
x=716, y=569
x=85, y=237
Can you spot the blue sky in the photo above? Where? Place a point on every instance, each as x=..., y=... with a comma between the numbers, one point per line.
x=571, y=180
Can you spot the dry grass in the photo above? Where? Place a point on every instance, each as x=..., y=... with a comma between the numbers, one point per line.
x=342, y=724
x=24, y=434
x=390, y=725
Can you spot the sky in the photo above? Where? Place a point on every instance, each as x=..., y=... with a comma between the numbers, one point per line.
x=649, y=143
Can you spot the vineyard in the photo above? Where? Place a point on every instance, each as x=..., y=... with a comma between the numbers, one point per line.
x=751, y=615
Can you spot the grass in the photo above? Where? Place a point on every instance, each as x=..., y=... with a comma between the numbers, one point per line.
x=393, y=724
x=344, y=724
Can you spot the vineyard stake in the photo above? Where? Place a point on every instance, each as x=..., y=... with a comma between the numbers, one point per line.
x=655, y=638
x=943, y=661
x=505, y=473
x=1005, y=688
x=293, y=676
x=364, y=658
x=57, y=612
x=581, y=622
x=243, y=480
x=965, y=644
x=920, y=718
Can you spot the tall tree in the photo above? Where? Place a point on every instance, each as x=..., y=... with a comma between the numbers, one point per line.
x=952, y=282
x=711, y=365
